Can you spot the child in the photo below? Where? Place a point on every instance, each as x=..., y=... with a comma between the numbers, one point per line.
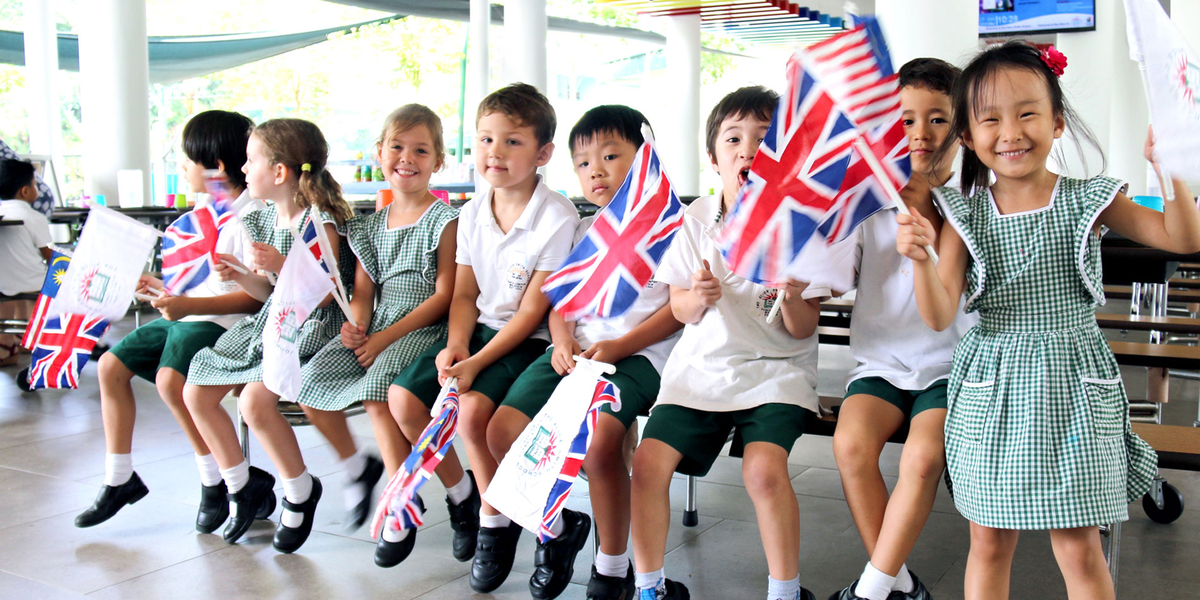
x=902, y=367
x=604, y=144
x=509, y=239
x=162, y=350
x=285, y=163
x=1038, y=434
x=731, y=370
x=25, y=249
x=406, y=252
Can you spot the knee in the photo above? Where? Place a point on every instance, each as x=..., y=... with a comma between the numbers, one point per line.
x=993, y=545
x=407, y=409
x=854, y=452
x=110, y=368
x=649, y=470
x=256, y=409
x=1077, y=549
x=765, y=480
x=377, y=410
x=476, y=413
x=502, y=431
x=923, y=462
x=193, y=397
x=169, y=384
x=606, y=454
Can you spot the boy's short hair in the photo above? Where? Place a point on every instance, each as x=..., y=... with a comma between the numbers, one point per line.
x=14, y=175
x=933, y=74
x=753, y=100
x=219, y=135
x=616, y=119
x=524, y=104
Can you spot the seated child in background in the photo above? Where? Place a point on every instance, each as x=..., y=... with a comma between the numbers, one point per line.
x=24, y=249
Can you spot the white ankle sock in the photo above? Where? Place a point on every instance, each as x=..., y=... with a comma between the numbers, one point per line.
x=612, y=566
x=354, y=466
x=353, y=492
x=494, y=521
x=210, y=474
x=648, y=581
x=394, y=535
x=904, y=581
x=459, y=491
x=299, y=489
x=783, y=590
x=118, y=468
x=874, y=584
x=236, y=477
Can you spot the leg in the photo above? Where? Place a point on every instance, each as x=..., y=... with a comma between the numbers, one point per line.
x=413, y=417
x=764, y=469
x=332, y=425
x=504, y=429
x=609, y=480
x=204, y=404
x=653, y=464
x=259, y=407
x=864, y=425
x=170, y=388
x=921, y=466
x=477, y=411
x=1081, y=560
x=118, y=408
x=989, y=562
x=393, y=447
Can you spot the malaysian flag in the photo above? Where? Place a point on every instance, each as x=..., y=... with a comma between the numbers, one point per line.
x=189, y=247
x=64, y=346
x=607, y=270
x=399, y=507
x=55, y=271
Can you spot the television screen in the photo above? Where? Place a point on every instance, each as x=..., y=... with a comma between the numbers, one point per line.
x=1007, y=17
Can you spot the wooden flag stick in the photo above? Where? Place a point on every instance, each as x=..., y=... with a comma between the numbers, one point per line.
x=880, y=173
x=235, y=267
x=145, y=297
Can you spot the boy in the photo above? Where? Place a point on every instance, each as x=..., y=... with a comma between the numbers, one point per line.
x=25, y=248
x=161, y=350
x=604, y=144
x=731, y=370
x=902, y=364
x=510, y=239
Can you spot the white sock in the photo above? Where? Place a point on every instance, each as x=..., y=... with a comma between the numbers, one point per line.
x=354, y=466
x=459, y=491
x=648, y=581
x=904, y=581
x=556, y=528
x=494, y=521
x=236, y=477
x=394, y=535
x=783, y=590
x=210, y=473
x=874, y=584
x=118, y=468
x=612, y=566
x=299, y=489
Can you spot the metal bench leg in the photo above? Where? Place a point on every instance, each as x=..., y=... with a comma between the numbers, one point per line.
x=691, y=517
x=1112, y=534
x=243, y=434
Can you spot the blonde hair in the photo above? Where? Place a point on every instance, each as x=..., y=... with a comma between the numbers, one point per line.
x=413, y=115
x=299, y=145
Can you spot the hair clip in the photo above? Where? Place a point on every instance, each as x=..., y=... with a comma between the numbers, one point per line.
x=1055, y=60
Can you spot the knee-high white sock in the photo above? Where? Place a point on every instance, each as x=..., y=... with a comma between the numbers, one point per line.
x=459, y=491
x=118, y=468
x=904, y=581
x=210, y=473
x=236, y=477
x=610, y=565
x=874, y=584
x=783, y=590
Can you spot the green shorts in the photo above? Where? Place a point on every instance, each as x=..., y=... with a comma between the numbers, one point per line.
x=911, y=403
x=699, y=435
x=421, y=379
x=635, y=377
x=163, y=344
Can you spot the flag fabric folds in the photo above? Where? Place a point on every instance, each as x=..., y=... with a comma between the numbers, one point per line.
x=189, y=249
x=302, y=285
x=56, y=270
x=62, y=349
x=107, y=264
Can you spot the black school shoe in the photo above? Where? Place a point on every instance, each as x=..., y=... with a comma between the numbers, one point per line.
x=554, y=561
x=389, y=554
x=368, y=478
x=494, y=553
x=249, y=503
x=605, y=587
x=919, y=592
x=214, y=507
x=289, y=539
x=674, y=591
x=464, y=520
x=111, y=499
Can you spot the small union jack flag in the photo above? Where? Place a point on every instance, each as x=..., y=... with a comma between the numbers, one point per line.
x=310, y=239
x=606, y=393
x=56, y=270
x=607, y=270
x=189, y=247
x=62, y=349
x=399, y=506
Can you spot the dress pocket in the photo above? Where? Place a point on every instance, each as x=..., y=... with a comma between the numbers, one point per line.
x=970, y=409
x=1106, y=400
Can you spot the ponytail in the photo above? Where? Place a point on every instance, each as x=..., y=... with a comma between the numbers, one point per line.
x=320, y=190
x=300, y=146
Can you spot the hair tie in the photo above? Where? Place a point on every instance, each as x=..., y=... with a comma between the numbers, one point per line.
x=306, y=167
x=1055, y=60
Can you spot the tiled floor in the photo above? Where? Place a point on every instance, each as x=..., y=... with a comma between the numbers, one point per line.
x=51, y=465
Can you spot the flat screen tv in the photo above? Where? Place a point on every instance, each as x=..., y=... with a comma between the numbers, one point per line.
x=1015, y=17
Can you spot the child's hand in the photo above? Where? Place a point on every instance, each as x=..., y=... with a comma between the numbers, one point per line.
x=608, y=351
x=706, y=287
x=353, y=337
x=366, y=353
x=1148, y=149
x=149, y=285
x=465, y=371
x=224, y=271
x=563, y=358
x=265, y=257
x=447, y=358
x=914, y=234
x=173, y=308
x=792, y=289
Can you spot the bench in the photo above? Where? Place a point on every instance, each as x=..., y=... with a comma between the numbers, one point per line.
x=291, y=411
x=1125, y=292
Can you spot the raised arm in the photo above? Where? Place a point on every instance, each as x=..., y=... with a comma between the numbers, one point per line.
x=938, y=288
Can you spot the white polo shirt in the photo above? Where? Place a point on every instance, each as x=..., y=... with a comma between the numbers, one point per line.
x=653, y=296
x=232, y=240
x=732, y=359
x=539, y=240
x=21, y=266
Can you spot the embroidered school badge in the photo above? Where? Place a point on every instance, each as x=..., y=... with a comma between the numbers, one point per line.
x=1185, y=82
x=766, y=299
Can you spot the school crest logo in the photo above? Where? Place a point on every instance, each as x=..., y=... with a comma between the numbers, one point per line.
x=92, y=287
x=287, y=325
x=1185, y=82
x=542, y=450
x=766, y=299
x=517, y=276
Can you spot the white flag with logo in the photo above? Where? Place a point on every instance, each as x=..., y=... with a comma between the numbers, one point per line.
x=1172, y=71
x=302, y=285
x=109, y=258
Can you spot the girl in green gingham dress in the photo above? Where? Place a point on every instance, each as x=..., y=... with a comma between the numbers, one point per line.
x=1038, y=433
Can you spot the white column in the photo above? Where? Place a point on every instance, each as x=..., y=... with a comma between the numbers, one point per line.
x=41, y=70
x=477, y=62
x=525, y=42
x=913, y=30
x=680, y=139
x=114, y=68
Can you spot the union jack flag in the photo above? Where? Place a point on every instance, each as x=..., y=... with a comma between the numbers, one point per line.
x=310, y=239
x=55, y=271
x=399, y=507
x=606, y=393
x=189, y=247
x=607, y=270
x=64, y=346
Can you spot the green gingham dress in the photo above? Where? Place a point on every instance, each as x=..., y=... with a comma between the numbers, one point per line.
x=237, y=356
x=1038, y=434
x=403, y=264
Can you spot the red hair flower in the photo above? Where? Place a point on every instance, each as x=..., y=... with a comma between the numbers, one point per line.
x=1057, y=61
